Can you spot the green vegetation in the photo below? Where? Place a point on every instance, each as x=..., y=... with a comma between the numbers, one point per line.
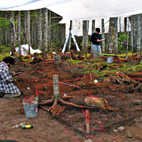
x=4, y=23
x=122, y=40
x=4, y=51
x=98, y=66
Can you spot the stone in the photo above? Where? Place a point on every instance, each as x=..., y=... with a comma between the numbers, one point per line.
x=80, y=129
x=115, y=130
x=89, y=140
x=121, y=129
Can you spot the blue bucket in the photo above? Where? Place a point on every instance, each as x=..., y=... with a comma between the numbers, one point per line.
x=30, y=107
x=57, y=58
x=110, y=60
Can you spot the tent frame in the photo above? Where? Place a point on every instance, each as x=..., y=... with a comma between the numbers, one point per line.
x=68, y=39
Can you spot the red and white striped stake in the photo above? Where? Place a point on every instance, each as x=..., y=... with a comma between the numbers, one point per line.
x=87, y=122
x=36, y=92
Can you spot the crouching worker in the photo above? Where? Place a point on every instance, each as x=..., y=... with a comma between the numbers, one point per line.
x=7, y=87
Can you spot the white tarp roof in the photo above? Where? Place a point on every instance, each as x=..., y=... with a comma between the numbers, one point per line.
x=77, y=9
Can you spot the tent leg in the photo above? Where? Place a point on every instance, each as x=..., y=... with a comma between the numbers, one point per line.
x=68, y=39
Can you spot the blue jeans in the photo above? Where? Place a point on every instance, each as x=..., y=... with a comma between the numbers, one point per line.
x=96, y=50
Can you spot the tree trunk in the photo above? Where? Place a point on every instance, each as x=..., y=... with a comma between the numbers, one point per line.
x=103, y=36
x=39, y=29
x=28, y=31
x=132, y=32
x=49, y=30
x=25, y=28
x=45, y=32
x=135, y=34
x=141, y=31
x=93, y=26
x=70, y=35
x=125, y=24
x=56, y=87
x=111, y=35
x=85, y=37
x=19, y=32
x=127, y=37
x=13, y=33
x=6, y=32
x=116, y=35
x=119, y=24
x=138, y=33
x=34, y=31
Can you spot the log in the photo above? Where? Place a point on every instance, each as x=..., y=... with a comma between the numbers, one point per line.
x=95, y=102
x=99, y=103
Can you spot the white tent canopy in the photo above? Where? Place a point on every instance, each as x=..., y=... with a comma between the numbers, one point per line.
x=77, y=9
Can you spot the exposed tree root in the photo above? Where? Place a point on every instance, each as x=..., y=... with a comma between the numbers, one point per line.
x=68, y=103
x=108, y=107
x=47, y=102
x=56, y=109
x=121, y=78
x=54, y=104
x=43, y=107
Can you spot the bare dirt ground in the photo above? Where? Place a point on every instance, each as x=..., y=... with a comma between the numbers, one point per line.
x=70, y=124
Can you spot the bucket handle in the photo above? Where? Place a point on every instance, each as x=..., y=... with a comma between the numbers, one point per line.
x=25, y=99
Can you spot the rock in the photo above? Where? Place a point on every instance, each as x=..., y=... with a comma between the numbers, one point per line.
x=28, y=88
x=115, y=130
x=95, y=81
x=89, y=140
x=80, y=129
x=121, y=129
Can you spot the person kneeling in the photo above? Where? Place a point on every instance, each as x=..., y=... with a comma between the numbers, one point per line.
x=7, y=87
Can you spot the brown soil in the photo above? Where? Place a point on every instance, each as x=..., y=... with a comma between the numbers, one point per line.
x=69, y=125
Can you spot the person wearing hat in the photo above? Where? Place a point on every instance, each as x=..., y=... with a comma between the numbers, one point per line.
x=95, y=39
x=7, y=87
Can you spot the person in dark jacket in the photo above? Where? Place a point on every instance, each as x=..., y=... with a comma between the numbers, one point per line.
x=95, y=46
x=7, y=87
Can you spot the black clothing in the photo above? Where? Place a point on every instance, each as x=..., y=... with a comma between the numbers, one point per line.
x=94, y=38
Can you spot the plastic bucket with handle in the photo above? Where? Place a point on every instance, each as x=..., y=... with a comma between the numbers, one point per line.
x=30, y=105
